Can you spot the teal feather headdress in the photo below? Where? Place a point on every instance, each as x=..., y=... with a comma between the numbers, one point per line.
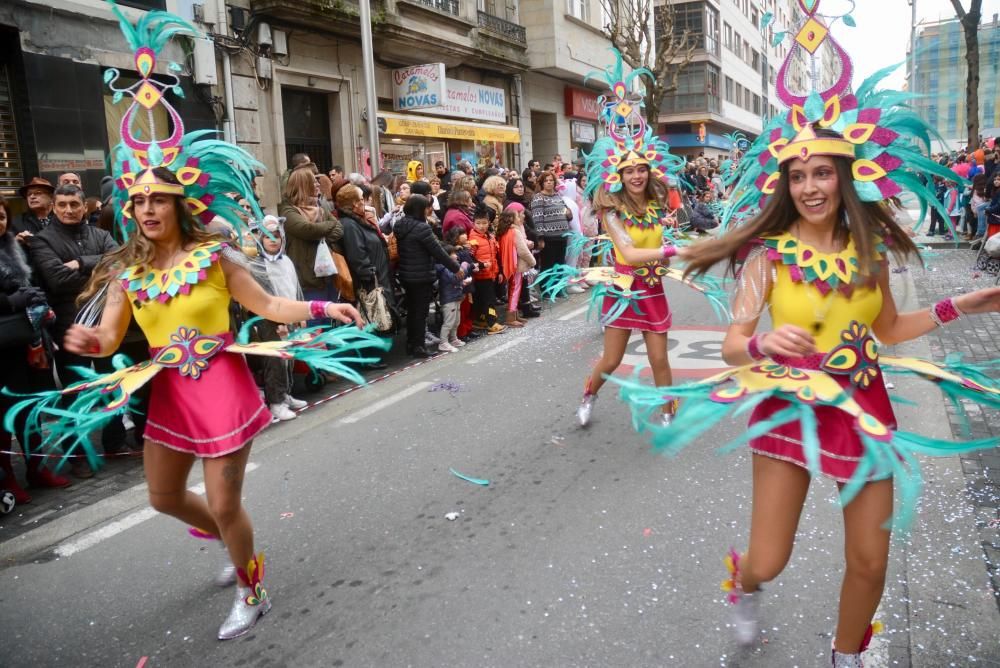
x=889, y=142
x=629, y=142
x=208, y=170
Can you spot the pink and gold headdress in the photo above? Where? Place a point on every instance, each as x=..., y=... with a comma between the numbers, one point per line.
x=208, y=170
x=886, y=141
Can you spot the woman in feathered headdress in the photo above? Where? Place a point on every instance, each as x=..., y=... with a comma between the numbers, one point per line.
x=177, y=279
x=815, y=255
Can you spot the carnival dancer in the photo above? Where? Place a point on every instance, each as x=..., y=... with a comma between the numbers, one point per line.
x=626, y=177
x=177, y=279
x=815, y=255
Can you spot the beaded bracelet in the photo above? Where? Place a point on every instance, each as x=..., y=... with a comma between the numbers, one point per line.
x=944, y=312
x=317, y=309
x=753, y=348
x=669, y=251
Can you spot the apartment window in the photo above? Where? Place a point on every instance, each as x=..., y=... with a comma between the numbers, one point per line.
x=579, y=9
x=739, y=45
x=729, y=89
x=756, y=104
x=755, y=17
x=755, y=60
x=748, y=99
x=727, y=36
x=739, y=94
x=711, y=30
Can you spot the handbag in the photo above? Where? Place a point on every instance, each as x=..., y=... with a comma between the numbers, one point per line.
x=342, y=279
x=392, y=246
x=374, y=309
x=16, y=330
x=323, y=265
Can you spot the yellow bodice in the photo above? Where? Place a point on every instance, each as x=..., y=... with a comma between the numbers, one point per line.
x=812, y=287
x=192, y=294
x=645, y=232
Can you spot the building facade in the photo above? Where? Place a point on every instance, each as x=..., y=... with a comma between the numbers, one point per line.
x=939, y=77
x=729, y=86
x=280, y=77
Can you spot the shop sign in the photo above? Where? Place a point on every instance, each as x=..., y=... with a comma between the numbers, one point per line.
x=582, y=133
x=464, y=99
x=418, y=87
x=412, y=126
x=582, y=103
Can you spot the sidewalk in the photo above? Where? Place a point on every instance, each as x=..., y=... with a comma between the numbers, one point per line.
x=977, y=339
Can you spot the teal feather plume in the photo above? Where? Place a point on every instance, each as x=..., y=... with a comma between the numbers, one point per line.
x=153, y=30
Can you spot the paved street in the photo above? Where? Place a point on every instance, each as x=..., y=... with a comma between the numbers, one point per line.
x=585, y=549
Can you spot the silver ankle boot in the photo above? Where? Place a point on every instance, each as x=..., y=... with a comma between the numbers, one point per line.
x=227, y=574
x=252, y=601
x=745, y=616
x=841, y=660
x=585, y=408
x=244, y=614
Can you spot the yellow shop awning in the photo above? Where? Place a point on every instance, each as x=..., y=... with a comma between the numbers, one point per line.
x=414, y=126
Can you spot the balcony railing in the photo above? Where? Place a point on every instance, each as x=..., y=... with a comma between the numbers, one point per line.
x=446, y=6
x=502, y=27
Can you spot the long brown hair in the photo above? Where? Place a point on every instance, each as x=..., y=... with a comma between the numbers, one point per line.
x=507, y=219
x=140, y=251
x=301, y=187
x=621, y=201
x=862, y=221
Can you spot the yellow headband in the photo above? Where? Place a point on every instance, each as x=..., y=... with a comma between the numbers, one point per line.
x=149, y=184
x=806, y=144
x=631, y=159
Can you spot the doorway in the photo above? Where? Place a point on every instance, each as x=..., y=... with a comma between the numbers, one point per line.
x=307, y=126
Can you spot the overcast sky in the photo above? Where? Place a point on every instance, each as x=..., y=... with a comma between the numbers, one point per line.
x=883, y=31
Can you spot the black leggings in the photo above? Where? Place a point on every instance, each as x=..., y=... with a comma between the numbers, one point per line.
x=553, y=253
x=418, y=301
x=484, y=294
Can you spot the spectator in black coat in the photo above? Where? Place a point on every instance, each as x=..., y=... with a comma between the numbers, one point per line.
x=418, y=251
x=365, y=248
x=37, y=193
x=17, y=294
x=64, y=254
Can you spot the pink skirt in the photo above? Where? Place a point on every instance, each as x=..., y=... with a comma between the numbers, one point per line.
x=650, y=313
x=840, y=447
x=211, y=416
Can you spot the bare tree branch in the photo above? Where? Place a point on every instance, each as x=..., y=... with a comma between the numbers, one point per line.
x=970, y=27
x=627, y=27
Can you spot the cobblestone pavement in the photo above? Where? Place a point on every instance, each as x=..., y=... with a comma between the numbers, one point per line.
x=977, y=338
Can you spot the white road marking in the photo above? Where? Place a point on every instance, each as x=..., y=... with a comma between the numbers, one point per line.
x=359, y=415
x=575, y=312
x=495, y=351
x=91, y=539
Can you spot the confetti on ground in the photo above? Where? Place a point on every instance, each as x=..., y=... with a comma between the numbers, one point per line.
x=446, y=386
x=286, y=516
x=647, y=533
x=142, y=662
x=474, y=481
x=451, y=517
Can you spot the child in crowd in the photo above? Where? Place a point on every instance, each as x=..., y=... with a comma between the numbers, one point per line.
x=485, y=248
x=952, y=202
x=451, y=294
x=276, y=372
x=458, y=239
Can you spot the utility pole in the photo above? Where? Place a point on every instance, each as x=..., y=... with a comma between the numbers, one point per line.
x=371, y=100
x=913, y=46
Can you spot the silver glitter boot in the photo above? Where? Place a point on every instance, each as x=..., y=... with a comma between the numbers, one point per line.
x=585, y=408
x=841, y=660
x=745, y=616
x=252, y=601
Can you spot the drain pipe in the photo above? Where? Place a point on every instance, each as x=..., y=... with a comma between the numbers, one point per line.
x=229, y=123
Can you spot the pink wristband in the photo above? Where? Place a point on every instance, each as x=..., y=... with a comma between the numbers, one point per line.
x=945, y=311
x=317, y=309
x=753, y=348
x=669, y=251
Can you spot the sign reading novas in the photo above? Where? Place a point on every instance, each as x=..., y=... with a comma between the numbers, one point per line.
x=418, y=87
x=464, y=99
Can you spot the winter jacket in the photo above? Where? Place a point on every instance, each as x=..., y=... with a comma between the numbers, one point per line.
x=303, y=237
x=485, y=249
x=418, y=251
x=367, y=254
x=494, y=203
x=466, y=258
x=449, y=285
x=456, y=216
x=57, y=244
x=549, y=214
x=702, y=217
